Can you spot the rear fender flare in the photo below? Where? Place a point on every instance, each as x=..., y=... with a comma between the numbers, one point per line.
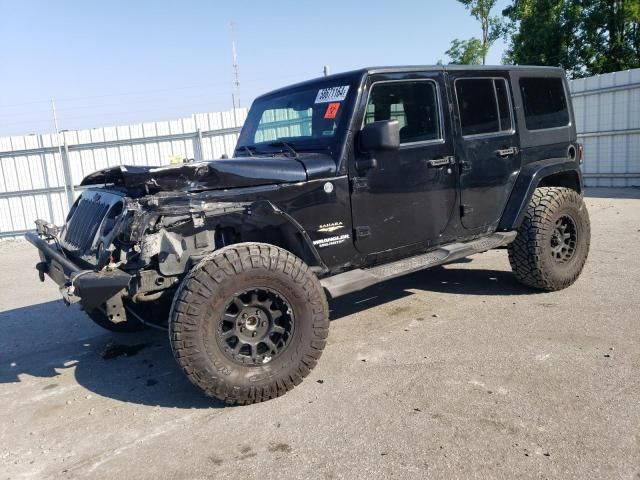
x=531, y=177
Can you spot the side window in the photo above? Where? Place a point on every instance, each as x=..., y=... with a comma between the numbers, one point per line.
x=413, y=104
x=545, y=104
x=504, y=106
x=484, y=106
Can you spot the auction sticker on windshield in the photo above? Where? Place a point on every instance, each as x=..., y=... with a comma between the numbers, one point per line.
x=332, y=111
x=332, y=94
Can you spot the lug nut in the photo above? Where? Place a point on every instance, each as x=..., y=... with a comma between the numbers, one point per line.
x=253, y=334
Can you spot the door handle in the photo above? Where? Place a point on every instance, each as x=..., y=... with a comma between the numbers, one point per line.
x=440, y=162
x=507, y=152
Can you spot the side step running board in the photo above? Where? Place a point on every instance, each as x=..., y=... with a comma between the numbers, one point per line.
x=357, y=279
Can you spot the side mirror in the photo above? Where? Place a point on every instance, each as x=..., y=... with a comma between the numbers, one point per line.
x=381, y=135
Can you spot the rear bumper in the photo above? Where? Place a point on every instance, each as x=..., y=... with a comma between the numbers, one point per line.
x=88, y=287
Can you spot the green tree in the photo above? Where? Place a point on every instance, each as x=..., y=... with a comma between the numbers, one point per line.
x=466, y=52
x=611, y=35
x=491, y=26
x=543, y=32
x=585, y=37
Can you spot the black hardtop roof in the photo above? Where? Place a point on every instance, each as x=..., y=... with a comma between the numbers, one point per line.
x=418, y=68
x=422, y=68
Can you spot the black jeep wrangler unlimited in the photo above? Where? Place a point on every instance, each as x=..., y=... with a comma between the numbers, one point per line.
x=336, y=184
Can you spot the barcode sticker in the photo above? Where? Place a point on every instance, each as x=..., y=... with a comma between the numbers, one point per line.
x=332, y=94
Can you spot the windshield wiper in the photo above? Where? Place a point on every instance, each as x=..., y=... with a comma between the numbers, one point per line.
x=248, y=148
x=287, y=145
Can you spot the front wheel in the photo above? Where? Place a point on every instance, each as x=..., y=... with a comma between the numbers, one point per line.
x=552, y=244
x=248, y=323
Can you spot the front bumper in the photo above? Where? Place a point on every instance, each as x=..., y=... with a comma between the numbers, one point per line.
x=90, y=288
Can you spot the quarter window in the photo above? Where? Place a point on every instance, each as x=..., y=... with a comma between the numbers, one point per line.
x=545, y=103
x=484, y=106
x=413, y=104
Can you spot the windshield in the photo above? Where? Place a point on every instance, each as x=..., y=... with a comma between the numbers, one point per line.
x=312, y=115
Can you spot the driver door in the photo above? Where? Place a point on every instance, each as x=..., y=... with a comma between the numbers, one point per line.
x=408, y=195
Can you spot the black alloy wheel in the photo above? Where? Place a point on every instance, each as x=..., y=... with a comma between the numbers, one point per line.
x=256, y=327
x=564, y=239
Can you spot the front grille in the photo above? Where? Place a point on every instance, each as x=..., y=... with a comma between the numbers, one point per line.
x=83, y=224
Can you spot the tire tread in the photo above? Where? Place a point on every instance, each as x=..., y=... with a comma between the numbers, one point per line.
x=212, y=271
x=527, y=250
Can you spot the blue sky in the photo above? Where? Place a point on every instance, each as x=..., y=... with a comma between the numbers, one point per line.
x=117, y=62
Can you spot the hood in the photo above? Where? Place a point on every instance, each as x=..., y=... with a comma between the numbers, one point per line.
x=214, y=174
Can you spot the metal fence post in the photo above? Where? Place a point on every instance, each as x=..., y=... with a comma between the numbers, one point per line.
x=68, y=177
x=47, y=181
x=197, y=150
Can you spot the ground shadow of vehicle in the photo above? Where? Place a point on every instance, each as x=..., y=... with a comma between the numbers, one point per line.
x=48, y=339
x=444, y=279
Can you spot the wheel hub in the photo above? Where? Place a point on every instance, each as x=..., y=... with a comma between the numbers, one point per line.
x=256, y=326
x=252, y=323
x=564, y=239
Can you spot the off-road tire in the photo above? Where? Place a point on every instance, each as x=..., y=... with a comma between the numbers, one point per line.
x=130, y=325
x=200, y=301
x=530, y=254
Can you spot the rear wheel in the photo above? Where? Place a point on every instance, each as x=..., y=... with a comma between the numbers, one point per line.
x=248, y=323
x=553, y=241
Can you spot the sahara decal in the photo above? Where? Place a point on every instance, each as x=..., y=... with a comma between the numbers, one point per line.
x=330, y=227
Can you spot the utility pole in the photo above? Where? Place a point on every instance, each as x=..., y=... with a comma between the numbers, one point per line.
x=235, y=97
x=55, y=117
x=62, y=159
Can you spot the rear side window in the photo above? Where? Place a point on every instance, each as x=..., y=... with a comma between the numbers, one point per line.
x=545, y=103
x=413, y=104
x=484, y=106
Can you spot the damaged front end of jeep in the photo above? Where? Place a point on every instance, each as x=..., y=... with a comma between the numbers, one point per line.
x=127, y=244
x=116, y=252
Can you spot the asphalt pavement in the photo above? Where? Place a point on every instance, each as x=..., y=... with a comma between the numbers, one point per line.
x=455, y=372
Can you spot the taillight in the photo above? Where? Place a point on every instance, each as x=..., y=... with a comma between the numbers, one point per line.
x=580, y=153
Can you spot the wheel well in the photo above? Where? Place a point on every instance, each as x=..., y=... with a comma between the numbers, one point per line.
x=568, y=179
x=520, y=197
x=283, y=236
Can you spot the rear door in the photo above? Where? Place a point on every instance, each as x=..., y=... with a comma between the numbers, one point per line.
x=487, y=146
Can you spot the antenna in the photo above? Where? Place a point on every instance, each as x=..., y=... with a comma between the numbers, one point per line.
x=236, y=71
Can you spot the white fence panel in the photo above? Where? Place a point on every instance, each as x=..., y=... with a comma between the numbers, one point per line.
x=607, y=113
x=38, y=178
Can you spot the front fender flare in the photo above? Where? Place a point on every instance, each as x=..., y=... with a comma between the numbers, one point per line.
x=264, y=209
